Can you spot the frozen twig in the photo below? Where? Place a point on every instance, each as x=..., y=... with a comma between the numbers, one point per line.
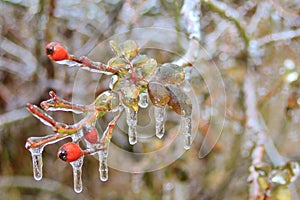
x=191, y=17
x=253, y=124
x=285, y=35
x=230, y=14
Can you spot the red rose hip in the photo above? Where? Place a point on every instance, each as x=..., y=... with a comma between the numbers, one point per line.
x=56, y=51
x=70, y=152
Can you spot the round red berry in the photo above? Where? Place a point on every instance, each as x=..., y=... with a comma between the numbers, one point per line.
x=91, y=135
x=56, y=51
x=69, y=152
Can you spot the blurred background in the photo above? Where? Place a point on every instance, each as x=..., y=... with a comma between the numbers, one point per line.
x=235, y=36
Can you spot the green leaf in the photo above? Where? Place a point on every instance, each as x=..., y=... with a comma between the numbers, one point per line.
x=170, y=73
x=262, y=168
x=158, y=94
x=281, y=192
x=130, y=49
x=179, y=102
x=263, y=182
x=115, y=48
x=130, y=96
x=107, y=101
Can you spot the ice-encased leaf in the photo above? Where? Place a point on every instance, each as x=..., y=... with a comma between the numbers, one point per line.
x=179, y=102
x=117, y=62
x=262, y=168
x=130, y=49
x=263, y=182
x=115, y=47
x=158, y=94
x=107, y=101
x=281, y=176
x=130, y=96
x=139, y=61
x=170, y=73
x=145, y=65
x=294, y=169
x=120, y=64
x=281, y=192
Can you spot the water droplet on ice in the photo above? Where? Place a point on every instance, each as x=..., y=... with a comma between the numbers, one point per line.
x=143, y=100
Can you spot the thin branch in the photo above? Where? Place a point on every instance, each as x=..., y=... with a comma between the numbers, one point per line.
x=253, y=124
x=285, y=35
x=191, y=17
x=230, y=14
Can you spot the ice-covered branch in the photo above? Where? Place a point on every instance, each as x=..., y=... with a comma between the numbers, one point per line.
x=274, y=37
x=230, y=14
x=254, y=125
x=191, y=18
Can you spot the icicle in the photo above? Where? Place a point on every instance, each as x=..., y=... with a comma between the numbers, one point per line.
x=137, y=182
x=37, y=162
x=36, y=152
x=143, y=100
x=187, y=131
x=103, y=169
x=77, y=171
x=131, y=122
x=159, y=113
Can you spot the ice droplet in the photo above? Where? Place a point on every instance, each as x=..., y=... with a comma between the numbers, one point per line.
x=37, y=162
x=103, y=169
x=131, y=116
x=168, y=189
x=77, y=172
x=159, y=113
x=187, y=131
x=143, y=100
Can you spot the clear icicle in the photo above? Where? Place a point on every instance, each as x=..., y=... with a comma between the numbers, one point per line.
x=37, y=162
x=137, y=182
x=143, y=100
x=187, y=131
x=131, y=116
x=159, y=113
x=77, y=172
x=103, y=168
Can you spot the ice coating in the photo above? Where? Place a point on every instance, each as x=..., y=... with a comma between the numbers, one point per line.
x=143, y=100
x=159, y=113
x=187, y=131
x=131, y=118
x=103, y=168
x=37, y=162
x=77, y=173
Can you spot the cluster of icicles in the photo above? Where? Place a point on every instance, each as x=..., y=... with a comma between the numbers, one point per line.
x=136, y=79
